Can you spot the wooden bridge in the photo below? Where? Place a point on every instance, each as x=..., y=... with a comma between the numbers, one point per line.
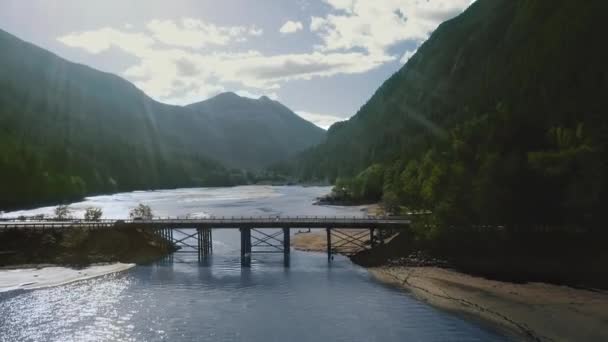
x=258, y=234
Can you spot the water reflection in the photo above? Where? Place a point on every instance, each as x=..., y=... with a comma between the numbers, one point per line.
x=184, y=301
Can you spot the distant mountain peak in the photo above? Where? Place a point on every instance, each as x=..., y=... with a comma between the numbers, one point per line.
x=234, y=97
x=226, y=95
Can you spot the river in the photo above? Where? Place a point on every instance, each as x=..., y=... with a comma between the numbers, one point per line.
x=181, y=299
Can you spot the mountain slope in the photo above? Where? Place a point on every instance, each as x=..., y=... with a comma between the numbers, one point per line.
x=499, y=117
x=67, y=130
x=272, y=131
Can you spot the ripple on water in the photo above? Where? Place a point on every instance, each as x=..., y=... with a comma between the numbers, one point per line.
x=223, y=302
x=80, y=311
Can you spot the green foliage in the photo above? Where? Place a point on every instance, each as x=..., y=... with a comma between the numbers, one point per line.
x=141, y=212
x=390, y=202
x=63, y=212
x=342, y=188
x=365, y=187
x=371, y=182
x=494, y=126
x=93, y=214
x=73, y=238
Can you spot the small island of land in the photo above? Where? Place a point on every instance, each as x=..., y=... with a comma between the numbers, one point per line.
x=80, y=247
x=36, y=258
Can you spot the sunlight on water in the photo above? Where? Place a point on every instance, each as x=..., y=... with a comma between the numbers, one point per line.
x=182, y=300
x=188, y=202
x=76, y=312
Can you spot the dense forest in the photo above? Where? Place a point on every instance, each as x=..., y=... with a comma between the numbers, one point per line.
x=67, y=130
x=499, y=119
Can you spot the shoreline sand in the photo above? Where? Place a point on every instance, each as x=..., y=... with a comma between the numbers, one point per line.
x=535, y=311
x=29, y=278
x=541, y=312
x=315, y=240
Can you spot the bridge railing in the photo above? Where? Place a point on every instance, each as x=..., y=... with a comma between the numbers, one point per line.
x=210, y=219
x=211, y=222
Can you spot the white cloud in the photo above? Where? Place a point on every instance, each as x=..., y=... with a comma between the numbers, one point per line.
x=178, y=75
x=103, y=39
x=291, y=27
x=345, y=5
x=196, y=33
x=376, y=26
x=356, y=37
x=263, y=71
x=316, y=23
x=255, y=31
x=322, y=120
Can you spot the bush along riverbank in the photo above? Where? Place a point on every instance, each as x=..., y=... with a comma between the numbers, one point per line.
x=81, y=247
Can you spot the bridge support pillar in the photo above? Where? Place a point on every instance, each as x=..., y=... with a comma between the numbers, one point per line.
x=205, y=242
x=165, y=235
x=372, y=238
x=329, y=256
x=245, y=247
x=286, y=246
x=199, y=243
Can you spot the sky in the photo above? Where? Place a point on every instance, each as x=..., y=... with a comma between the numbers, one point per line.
x=322, y=58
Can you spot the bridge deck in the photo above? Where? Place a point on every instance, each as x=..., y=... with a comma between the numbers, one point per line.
x=219, y=223
x=370, y=231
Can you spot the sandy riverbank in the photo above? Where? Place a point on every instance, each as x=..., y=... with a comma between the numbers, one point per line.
x=36, y=278
x=316, y=240
x=541, y=312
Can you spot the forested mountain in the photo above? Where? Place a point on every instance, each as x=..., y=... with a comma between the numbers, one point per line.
x=67, y=130
x=501, y=117
x=272, y=131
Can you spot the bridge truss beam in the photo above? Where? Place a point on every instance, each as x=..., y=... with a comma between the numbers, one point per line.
x=199, y=240
x=351, y=241
x=264, y=240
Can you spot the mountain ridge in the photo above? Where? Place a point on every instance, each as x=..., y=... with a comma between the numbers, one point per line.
x=498, y=118
x=67, y=130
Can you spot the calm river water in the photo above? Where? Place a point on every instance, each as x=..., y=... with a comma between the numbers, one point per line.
x=184, y=300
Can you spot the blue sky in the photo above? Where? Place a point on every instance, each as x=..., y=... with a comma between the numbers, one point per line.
x=322, y=58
